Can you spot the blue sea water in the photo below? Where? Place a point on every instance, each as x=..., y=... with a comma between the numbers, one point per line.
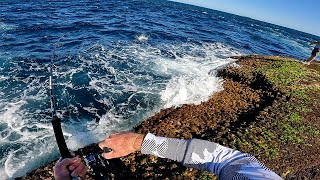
x=116, y=62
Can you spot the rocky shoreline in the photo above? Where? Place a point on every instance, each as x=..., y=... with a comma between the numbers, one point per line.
x=269, y=108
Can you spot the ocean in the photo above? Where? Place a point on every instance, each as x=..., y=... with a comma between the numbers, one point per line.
x=116, y=63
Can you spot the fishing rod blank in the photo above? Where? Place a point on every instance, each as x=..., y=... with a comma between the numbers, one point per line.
x=64, y=151
x=56, y=123
x=94, y=161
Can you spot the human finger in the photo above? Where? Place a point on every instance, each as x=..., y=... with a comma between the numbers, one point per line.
x=105, y=143
x=83, y=172
x=114, y=134
x=74, y=165
x=65, y=162
x=113, y=154
x=109, y=155
x=117, y=139
x=78, y=170
x=60, y=159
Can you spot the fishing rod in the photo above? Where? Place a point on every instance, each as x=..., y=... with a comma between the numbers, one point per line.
x=96, y=164
x=56, y=122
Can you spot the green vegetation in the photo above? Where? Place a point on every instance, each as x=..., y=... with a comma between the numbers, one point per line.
x=293, y=79
x=284, y=122
x=287, y=76
x=295, y=117
x=205, y=175
x=290, y=134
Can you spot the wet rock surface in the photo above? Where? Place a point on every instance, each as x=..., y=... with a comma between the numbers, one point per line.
x=277, y=121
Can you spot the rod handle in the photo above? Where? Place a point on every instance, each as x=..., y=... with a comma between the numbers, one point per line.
x=64, y=151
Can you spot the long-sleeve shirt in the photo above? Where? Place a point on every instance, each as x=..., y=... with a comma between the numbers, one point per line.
x=224, y=162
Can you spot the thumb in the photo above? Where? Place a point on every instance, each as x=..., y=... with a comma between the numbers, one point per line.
x=109, y=155
x=101, y=144
x=65, y=162
x=104, y=144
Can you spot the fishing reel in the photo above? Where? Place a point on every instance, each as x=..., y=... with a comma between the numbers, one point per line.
x=97, y=165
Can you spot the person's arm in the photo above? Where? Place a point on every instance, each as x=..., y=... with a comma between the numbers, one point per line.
x=224, y=162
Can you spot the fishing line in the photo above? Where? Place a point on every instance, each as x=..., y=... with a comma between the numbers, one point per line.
x=56, y=121
x=96, y=164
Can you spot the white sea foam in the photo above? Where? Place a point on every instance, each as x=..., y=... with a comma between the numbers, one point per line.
x=2, y=78
x=191, y=71
x=93, y=133
x=5, y=27
x=3, y=174
x=142, y=37
x=24, y=139
x=31, y=148
x=192, y=80
x=33, y=154
x=184, y=90
x=12, y=118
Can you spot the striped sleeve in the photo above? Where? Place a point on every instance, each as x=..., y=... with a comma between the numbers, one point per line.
x=224, y=162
